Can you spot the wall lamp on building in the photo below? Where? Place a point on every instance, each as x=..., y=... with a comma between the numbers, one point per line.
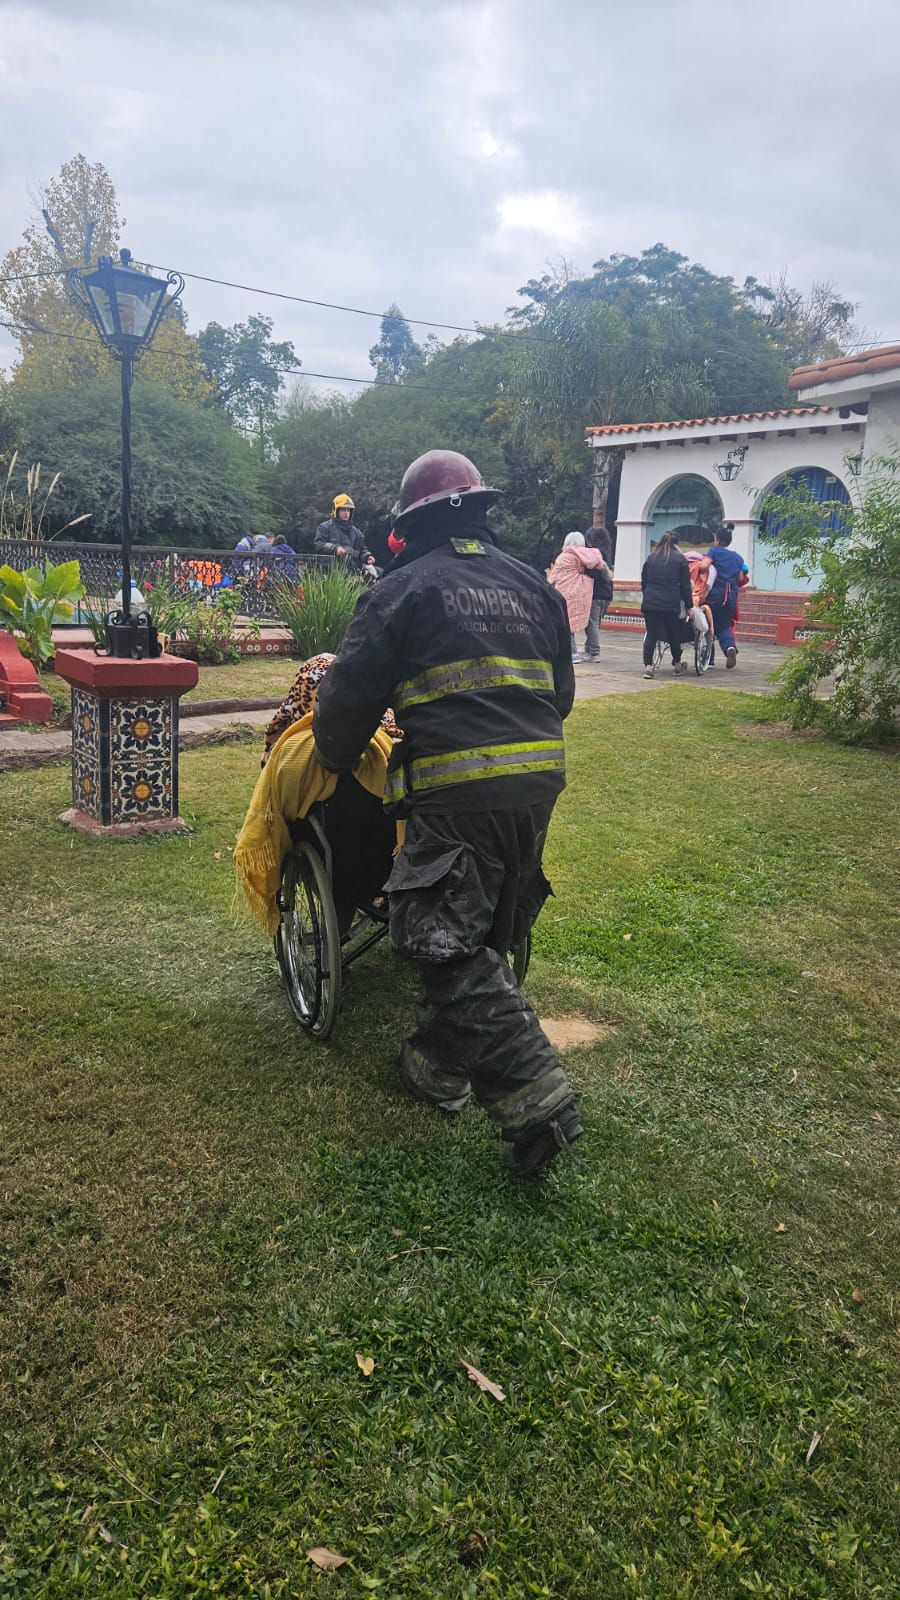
x=854, y=462
x=126, y=307
x=733, y=464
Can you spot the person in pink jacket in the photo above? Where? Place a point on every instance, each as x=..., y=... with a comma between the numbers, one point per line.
x=571, y=575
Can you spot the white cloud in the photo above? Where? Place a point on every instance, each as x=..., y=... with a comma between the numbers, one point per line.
x=546, y=212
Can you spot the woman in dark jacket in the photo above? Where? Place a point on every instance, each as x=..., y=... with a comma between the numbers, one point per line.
x=665, y=587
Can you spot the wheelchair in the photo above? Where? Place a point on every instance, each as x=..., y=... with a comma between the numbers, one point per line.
x=332, y=905
x=704, y=644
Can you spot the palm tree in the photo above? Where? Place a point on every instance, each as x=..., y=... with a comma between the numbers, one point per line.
x=584, y=363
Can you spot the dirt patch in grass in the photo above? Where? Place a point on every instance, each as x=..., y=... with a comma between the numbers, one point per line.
x=568, y=1033
x=777, y=730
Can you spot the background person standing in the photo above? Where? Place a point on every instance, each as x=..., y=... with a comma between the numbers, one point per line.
x=602, y=579
x=571, y=575
x=665, y=588
x=337, y=536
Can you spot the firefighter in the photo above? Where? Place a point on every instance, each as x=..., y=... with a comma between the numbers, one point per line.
x=337, y=536
x=471, y=648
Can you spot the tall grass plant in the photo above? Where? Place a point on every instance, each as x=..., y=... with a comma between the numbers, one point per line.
x=317, y=612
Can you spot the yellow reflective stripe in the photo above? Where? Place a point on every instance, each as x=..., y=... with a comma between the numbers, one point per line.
x=481, y=672
x=481, y=754
x=470, y=766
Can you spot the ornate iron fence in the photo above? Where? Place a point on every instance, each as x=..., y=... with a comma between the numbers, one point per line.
x=256, y=573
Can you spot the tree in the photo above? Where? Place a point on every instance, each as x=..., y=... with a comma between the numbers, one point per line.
x=195, y=479
x=245, y=369
x=396, y=354
x=719, y=332
x=78, y=222
x=806, y=325
x=591, y=364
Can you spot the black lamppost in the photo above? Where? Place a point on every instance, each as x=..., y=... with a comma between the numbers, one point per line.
x=126, y=307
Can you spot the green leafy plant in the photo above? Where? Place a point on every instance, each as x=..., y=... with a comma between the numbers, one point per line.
x=855, y=612
x=317, y=611
x=31, y=601
x=206, y=631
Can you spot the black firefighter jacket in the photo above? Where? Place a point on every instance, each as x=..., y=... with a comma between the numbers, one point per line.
x=472, y=650
x=332, y=532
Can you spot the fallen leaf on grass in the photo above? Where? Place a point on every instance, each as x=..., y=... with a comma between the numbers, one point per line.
x=110, y=1538
x=626, y=937
x=858, y=1296
x=482, y=1382
x=814, y=1443
x=328, y=1560
x=366, y=1365
x=781, y=1228
x=473, y=1548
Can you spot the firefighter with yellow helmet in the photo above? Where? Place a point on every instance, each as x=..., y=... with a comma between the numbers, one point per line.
x=337, y=536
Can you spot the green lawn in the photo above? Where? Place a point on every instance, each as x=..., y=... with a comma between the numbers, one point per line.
x=205, y=1218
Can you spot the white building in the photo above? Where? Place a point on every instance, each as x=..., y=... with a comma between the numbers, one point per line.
x=868, y=383
x=720, y=469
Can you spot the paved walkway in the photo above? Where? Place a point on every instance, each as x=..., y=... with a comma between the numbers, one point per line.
x=619, y=671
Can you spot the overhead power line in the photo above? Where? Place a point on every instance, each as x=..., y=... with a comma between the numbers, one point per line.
x=329, y=305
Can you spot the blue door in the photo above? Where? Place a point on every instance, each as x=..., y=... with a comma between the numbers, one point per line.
x=768, y=571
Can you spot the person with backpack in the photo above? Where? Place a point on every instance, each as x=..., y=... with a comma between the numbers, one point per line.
x=722, y=598
x=665, y=589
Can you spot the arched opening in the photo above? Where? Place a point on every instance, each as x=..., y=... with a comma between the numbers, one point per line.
x=689, y=502
x=769, y=570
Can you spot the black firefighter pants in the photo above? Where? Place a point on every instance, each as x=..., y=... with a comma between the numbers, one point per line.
x=465, y=889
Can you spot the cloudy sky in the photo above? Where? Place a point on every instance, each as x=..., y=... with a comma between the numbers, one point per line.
x=439, y=154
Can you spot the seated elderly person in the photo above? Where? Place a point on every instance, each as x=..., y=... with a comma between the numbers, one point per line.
x=362, y=839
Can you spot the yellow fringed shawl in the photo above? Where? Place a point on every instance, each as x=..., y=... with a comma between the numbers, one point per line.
x=292, y=780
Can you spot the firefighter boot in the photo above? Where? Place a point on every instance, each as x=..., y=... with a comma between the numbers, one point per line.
x=535, y=1150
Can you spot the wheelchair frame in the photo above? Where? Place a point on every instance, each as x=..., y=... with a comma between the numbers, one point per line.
x=704, y=645
x=312, y=953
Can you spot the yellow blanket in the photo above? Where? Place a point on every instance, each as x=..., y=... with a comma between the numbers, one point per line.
x=292, y=780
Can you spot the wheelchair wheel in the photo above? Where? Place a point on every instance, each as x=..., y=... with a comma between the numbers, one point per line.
x=308, y=942
x=703, y=651
x=520, y=959
x=659, y=650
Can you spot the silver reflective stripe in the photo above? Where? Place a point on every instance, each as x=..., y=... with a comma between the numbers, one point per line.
x=475, y=673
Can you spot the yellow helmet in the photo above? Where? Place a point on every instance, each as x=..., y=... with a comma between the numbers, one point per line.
x=341, y=502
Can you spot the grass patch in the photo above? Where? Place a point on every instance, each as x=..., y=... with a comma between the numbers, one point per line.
x=205, y=1218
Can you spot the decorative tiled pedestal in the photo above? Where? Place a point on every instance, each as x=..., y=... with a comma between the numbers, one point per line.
x=125, y=741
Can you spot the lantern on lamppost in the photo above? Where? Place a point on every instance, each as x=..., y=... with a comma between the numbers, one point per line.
x=126, y=307
x=733, y=463
x=853, y=462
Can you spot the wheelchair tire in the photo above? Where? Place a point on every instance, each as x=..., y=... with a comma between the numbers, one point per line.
x=704, y=644
x=520, y=959
x=308, y=942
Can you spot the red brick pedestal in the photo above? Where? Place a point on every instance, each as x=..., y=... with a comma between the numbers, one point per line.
x=125, y=741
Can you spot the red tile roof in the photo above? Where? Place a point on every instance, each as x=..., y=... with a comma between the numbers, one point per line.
x=877, y=360
x=694, y=422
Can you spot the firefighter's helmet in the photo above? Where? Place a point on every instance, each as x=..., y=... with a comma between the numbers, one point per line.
x=440, y=475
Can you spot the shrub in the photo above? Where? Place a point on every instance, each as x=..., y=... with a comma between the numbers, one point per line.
x=31, y=601
x=206, y=630
x=856, y=608
x=317, y=611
